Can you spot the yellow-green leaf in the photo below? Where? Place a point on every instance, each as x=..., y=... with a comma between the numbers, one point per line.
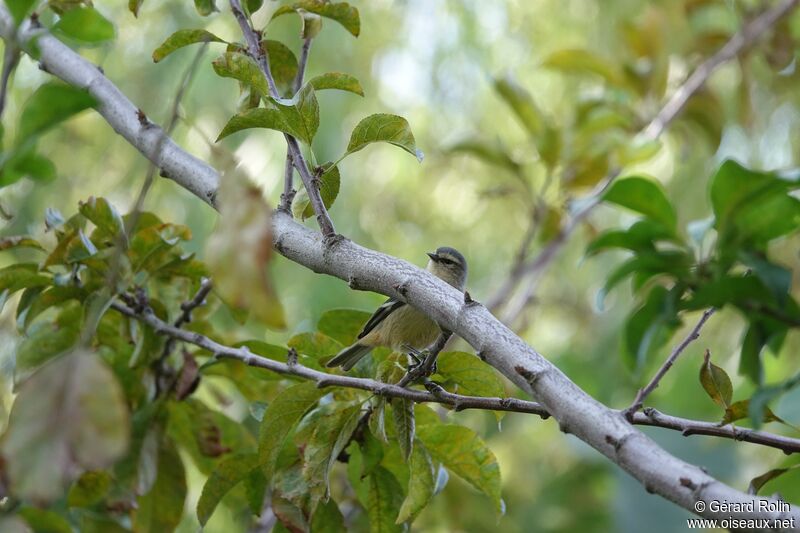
x=182, y=38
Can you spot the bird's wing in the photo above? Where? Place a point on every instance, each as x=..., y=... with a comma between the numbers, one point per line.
x=387, y=308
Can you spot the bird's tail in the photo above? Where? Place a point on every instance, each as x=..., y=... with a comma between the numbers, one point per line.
x=348, y=357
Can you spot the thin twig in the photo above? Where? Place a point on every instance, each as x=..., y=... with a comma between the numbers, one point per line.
x=740, y=41
x=288, y=173
x=186, y=313
x=650, y=417
x=676, y=352
x=258, y=53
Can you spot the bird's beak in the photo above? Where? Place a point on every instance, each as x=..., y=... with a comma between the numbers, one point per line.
x=433, y=256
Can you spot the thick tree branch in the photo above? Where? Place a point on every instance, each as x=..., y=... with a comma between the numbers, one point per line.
x=310, y=182
x=604, y=429
x=120, y=113
x=740, y=41
x=437, y=394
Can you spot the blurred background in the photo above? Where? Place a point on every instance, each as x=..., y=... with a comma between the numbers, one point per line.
x=443, y=64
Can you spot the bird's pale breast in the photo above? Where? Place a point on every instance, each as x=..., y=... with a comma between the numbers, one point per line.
x=404, y=326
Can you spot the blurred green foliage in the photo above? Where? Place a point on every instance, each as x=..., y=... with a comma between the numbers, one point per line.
x=521, y=108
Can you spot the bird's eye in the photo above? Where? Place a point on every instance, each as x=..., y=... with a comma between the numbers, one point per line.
x=446, y=261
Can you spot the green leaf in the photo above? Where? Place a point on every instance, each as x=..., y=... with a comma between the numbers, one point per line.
x=182, y=38
x=775, y=277
x=280, y=419
x=282, y=64
x=470, y=375
x=328, y=188
x=465, y=454
x=243, y=68
x=331, y=435
x=384, y=499
x=134, y=6
x=751, y=206
x=716, y=382
x=205, y=7
x=491, y=153
x=382, y=127
x=51, y=104
x=421, y=484
x=44, y=521
x=759, y=481
x=328, y=519
x=161, y=508
x=21, y=276
x=19, y=9
x=103, y=215
x=404, y=426
x=91, y=488
x=230, y=471
x=750, y=360
x=648, y=264
x=644, y=196
x=341, y=12
x=741, y=409
x=583, y=61
x=336, y=80
x=68, y=417
x=642, y=235
x=522, y=104
x=342, y=325
x=19, y=241
x=253, y=5
x=298, y=117
x=49, y=339
x=86, y=25
x=649, y=327
x=315, y=345
x=26, y=163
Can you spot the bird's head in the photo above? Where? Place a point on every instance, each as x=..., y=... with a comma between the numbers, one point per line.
x=448, y=264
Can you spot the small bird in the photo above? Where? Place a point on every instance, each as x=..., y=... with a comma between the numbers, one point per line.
x=398, y=325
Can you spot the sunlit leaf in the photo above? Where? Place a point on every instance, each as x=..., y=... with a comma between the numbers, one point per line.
x=716, y=382
x=50, y=104
x=644, y=196
x=161, y=508
x=521, y=102
x=298, y=117
x=341, y=12
x=26, y=162
x=243, y=68
x=48, y=340
x=583, y=62
x=336, y=80
x=282, y=64
x=244, y=231
x=231, y=471
x=280, y=418
x=315, y=344
x=19, y=9
x=104, y=215
x=182, y=38
x=205, y=7
x=68, y=417
x=465, y=454
x=382, y=127
x=86, y=25
x=21, y=276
